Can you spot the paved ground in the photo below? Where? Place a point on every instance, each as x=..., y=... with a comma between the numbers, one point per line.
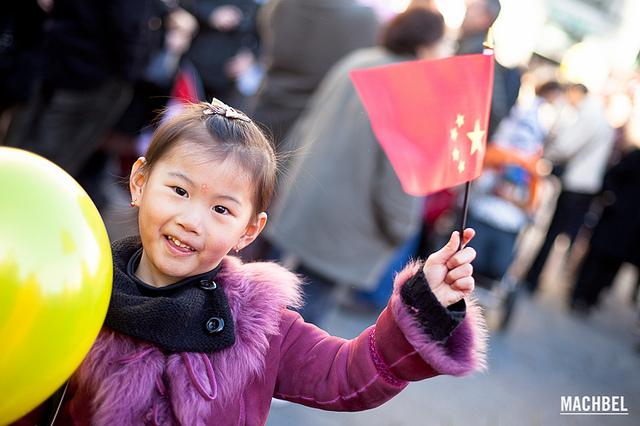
x=546, y=353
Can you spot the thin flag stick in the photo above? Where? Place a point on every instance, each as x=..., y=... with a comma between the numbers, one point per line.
x=465, y=209
x=487, y=50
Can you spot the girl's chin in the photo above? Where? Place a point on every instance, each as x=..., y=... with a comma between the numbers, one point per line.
x=178, y=270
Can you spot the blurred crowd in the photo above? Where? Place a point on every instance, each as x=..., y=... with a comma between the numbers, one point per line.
x=82, y=83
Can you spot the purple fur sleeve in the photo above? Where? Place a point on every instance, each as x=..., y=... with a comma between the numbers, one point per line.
x=463, y=352
x=436, y=320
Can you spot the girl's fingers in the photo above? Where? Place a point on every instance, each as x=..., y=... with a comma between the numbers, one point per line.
x=451, y=248
x=468, y=235
x=459, y=272
x=442, y=256
x=465, y=285
x=466, y=255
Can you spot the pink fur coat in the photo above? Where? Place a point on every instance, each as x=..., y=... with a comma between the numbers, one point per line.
x=124, y=381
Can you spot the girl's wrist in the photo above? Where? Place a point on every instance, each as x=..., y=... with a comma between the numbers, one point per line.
x=436, y=320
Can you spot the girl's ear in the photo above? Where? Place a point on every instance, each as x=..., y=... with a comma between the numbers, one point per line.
x=254, y=229
x=137, y=180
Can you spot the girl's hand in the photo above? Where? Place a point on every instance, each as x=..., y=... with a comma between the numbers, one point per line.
x=448, y=271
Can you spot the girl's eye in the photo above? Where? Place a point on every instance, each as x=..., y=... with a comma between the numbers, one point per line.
x=221, y=210
x=180, y=191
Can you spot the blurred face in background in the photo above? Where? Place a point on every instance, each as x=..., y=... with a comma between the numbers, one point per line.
x=477, y=17
x=632, y=132
x=550, y=110
x=574, y=96
x=555, y=97
x=440, y=49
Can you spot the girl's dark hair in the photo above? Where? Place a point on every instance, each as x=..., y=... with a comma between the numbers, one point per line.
x=222, y=136
x=411, y=29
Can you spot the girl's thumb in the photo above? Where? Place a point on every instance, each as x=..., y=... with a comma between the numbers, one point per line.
x=449, y=249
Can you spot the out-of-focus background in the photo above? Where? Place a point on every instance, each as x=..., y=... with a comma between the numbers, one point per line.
x=557, y=209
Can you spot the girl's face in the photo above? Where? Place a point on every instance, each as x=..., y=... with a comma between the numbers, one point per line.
x=192, y=212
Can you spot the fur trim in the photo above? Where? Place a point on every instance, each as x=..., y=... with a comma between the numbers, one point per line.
x=111, y=367
x=132, y=381
x=257, y=293
x=465, y=350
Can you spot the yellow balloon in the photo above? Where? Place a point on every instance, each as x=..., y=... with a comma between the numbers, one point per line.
x=55, y=279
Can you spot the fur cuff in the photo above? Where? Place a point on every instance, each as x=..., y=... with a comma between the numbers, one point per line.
x=465, y=350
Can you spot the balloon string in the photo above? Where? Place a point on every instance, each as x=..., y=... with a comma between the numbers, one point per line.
x=59, y=405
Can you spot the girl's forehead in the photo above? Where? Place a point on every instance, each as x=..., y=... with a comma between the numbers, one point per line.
x=204, y=167
x=190, y=151
x=192, y=155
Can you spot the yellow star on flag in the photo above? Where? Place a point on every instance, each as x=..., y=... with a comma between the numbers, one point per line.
x=460, y=120
x=461, y=167
x=455, y=154
x=453, y=134
x=476, y=138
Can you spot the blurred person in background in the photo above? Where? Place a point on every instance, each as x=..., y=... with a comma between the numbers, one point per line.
x=21, y=54
x=225, y=46
x=172, y=30
x=581, y=147
x=615, y=237
x=301, y=41
x=504, y=196
x=92, y=57
x=169, y=30
x=479, y=17
x=343, y=214
x=441, y=207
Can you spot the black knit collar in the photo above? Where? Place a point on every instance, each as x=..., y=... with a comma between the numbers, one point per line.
x=192, y=315
x=149, y=290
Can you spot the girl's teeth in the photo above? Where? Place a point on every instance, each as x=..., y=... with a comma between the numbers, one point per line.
x=179, y=243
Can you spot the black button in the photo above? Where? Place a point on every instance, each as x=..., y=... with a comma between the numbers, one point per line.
x=215, y=325
x=208, y=285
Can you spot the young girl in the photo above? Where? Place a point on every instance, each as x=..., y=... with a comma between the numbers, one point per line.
x=195, y=337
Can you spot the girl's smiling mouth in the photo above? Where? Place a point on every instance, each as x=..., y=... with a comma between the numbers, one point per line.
x=179, y=245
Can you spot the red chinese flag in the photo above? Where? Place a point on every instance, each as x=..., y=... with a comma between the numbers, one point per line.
x=430, y=117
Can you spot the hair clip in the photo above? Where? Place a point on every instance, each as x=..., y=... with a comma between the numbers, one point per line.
x=218, y=107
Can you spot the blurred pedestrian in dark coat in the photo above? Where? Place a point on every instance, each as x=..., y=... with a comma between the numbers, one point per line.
x=582, y=147
x=92, y=56
x=616, y=237
x=480, y=16
x=301, y=40
x=21, y=53
x=225, y=45
x=343, y=214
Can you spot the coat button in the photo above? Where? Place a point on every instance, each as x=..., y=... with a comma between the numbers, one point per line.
x=208, y=285
x=215, y=325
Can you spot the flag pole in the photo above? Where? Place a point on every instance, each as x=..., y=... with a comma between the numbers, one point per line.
x=465, y=209
x=487, y=49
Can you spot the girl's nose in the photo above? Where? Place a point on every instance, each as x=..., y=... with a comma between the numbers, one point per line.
x=190, y=219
